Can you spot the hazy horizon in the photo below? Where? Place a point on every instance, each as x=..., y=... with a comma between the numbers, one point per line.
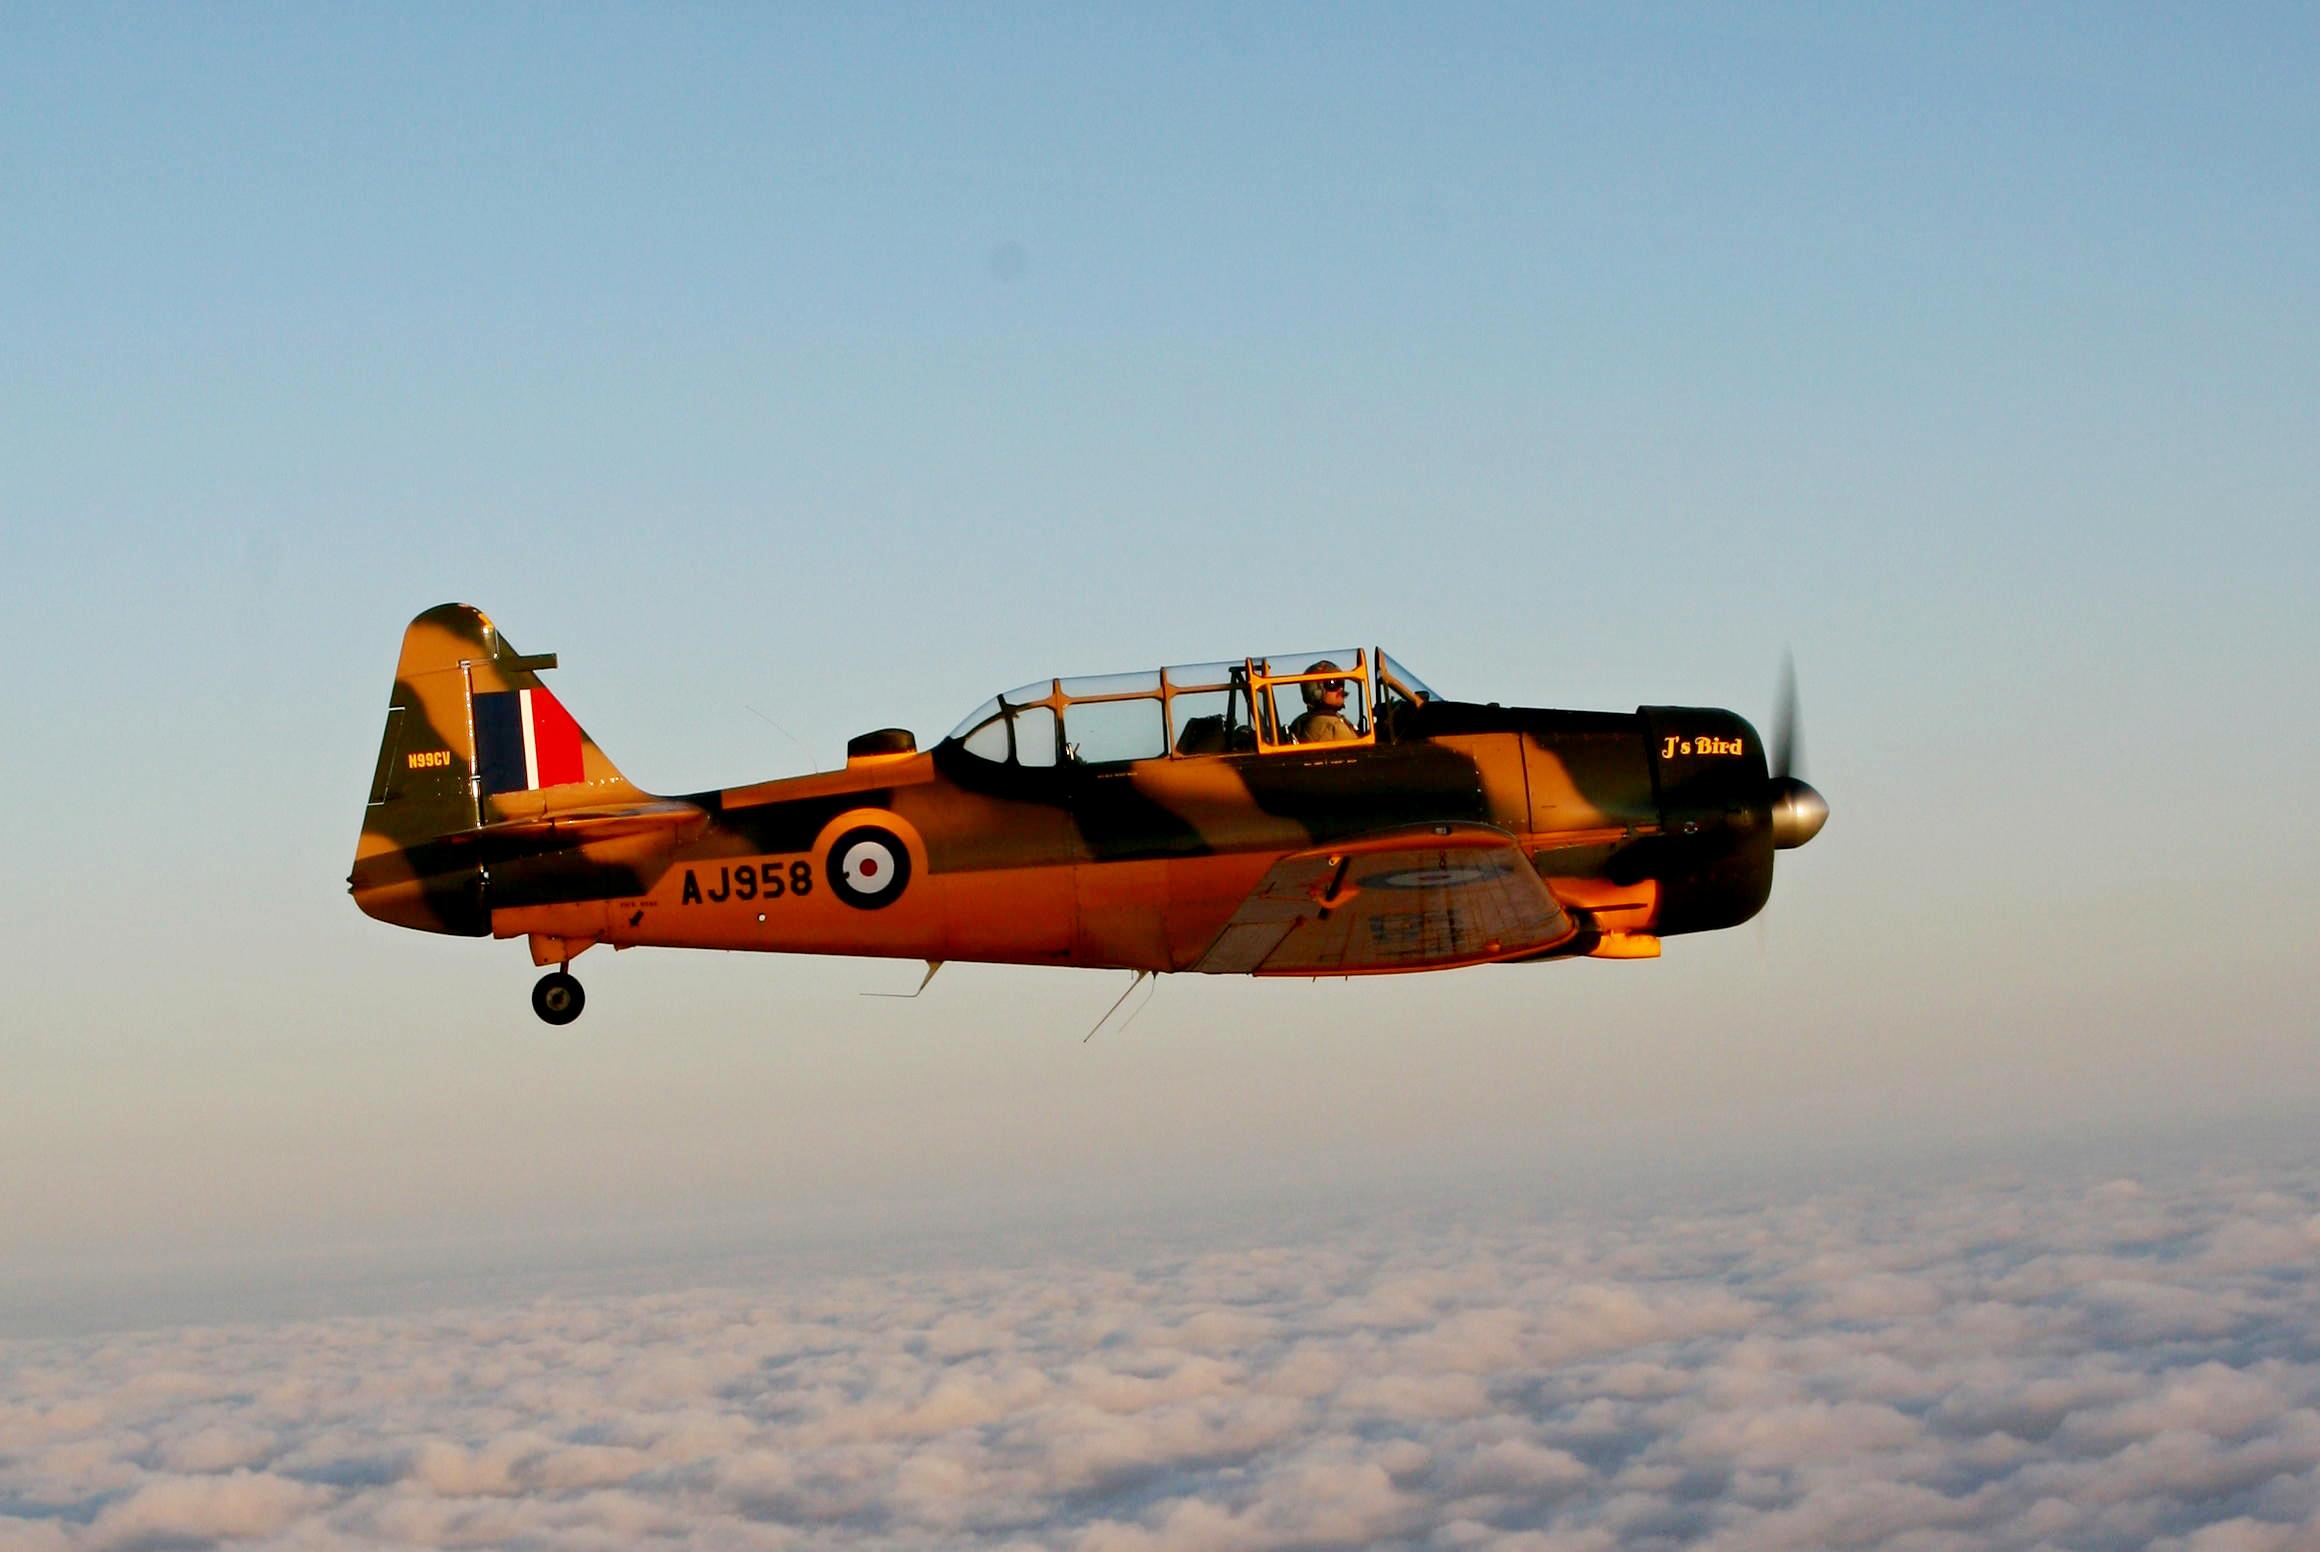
x=432, y=1261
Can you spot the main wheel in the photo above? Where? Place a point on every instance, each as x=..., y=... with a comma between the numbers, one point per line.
x=557, y=998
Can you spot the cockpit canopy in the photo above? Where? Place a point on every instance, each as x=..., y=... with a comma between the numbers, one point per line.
x=1257, y=705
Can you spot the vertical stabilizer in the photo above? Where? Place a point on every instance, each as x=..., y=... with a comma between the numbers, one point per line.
x=472, y=737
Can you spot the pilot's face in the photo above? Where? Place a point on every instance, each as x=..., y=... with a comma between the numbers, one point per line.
x=1333, y=691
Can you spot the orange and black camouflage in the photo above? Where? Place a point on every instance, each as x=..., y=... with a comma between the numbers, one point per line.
x=1156, y=822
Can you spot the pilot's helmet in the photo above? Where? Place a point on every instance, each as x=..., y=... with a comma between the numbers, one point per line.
x=1315, y=688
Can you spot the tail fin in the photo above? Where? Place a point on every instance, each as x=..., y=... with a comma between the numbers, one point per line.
x=472, y=738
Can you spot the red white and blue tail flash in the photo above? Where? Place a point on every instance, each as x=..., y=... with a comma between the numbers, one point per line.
x=524, y=739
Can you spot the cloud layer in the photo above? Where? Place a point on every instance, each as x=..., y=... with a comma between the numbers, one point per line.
x=2104, y=1364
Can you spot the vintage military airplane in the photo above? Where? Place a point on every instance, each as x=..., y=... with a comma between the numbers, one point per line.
x=1191, y=818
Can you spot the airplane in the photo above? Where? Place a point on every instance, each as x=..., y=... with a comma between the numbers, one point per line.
x=1301, y=814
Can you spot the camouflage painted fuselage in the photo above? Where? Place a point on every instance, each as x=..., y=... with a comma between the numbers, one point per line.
x=1640, y=825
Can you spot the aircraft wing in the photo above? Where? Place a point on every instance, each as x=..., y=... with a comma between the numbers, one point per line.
x=1426, y=898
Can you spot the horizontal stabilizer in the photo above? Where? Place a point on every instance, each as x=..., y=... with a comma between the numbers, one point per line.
x=678, y=820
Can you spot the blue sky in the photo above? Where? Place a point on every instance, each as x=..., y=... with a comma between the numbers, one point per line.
x=833, y=370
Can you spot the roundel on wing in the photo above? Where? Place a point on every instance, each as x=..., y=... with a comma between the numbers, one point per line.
x=1448, y=876
x=868, y=867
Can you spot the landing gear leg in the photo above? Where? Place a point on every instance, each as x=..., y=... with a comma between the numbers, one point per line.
x=557, y=998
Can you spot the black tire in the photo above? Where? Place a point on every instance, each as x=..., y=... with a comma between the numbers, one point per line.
x=558, y=999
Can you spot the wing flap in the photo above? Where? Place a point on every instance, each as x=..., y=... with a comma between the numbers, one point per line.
x=1423, y=899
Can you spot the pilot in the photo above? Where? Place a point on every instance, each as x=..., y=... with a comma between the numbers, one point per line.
x=1324, y=720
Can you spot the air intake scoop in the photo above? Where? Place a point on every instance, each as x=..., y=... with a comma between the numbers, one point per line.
x=883, y=744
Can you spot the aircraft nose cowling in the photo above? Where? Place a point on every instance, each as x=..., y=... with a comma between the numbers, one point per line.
x=1798, y=812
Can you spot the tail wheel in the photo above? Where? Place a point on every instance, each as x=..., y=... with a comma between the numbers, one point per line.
x=557, y=998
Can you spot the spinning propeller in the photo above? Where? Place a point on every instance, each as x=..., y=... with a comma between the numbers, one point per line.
x=1798, y=812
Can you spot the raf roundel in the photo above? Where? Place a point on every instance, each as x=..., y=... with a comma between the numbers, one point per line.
x=868, y=867
x=1448, y=876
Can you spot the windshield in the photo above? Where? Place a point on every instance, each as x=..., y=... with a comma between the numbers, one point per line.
x=1395, y=680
